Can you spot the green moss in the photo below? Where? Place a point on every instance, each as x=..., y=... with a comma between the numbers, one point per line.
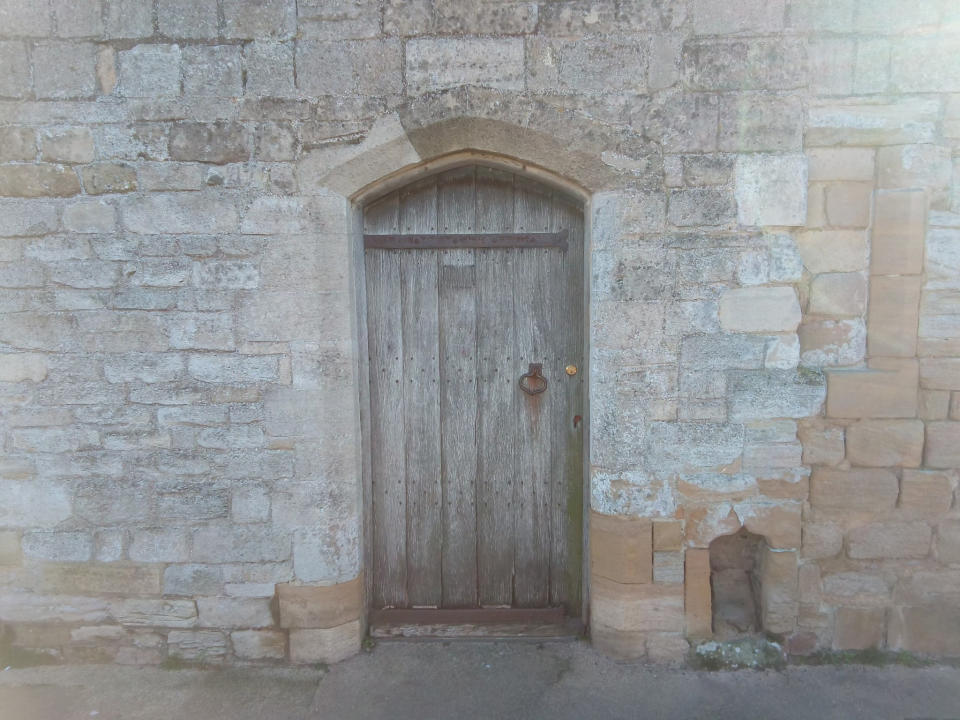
x=18, y=657
x=873, y=657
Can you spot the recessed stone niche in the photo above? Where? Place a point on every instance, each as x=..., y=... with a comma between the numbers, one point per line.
x=735, y=584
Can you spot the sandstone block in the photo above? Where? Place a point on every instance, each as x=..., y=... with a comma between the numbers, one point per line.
x=926, y=629
x=848, y=204
x=256, y=19
x=150, y=71
x=771, y=189
x=779, y=525
x=889, y=540
x=926, y=493
x=364, y=67
x=327, y=645
x=914, y=166
x=259, y=644
x=693, y=444
x=822, y=540
x=760, y=309
x=667, y=535
x=853, y=490
x=101, y=178
x=940, y=373
x=187, y=18
x=839, y=294
x=898, y=233
x=943, y=445
x=667, y=647
x=925, y=63
x=668, y=567
x=884, y=443
x=859, y=628
x=439, y=63
x=305, y=606
x=852, y=164
x=38, y=181
x=894, y=308
x=698, y=610
x=823, y=444
x=637, y=607
x=886, y=389
x=99, y=579
x=825, y=251
x=779, y=592
x=948, y=542
x=622, y=644
x=9, y=547
x=621, y=548
x=832, y=342
x=860, y=589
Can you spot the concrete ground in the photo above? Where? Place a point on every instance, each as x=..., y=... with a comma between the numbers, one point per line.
x=400, y=680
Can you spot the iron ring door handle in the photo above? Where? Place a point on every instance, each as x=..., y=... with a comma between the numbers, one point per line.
x=533, y=382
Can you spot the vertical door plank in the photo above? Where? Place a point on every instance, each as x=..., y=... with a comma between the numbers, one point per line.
x=421, y=402
x=456, y=206
x=385, y=350
x=496, y=377
x=533, y=303
x=566, y=462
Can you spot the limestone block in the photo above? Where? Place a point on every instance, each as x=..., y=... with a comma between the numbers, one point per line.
x=192, y=580
x=884, y=443
x=202, y=646
x=147, y=612
x=621, y=548
x=771, y=189
x=822, y=540
x=98, y=579
x=241, y=543
x=894, y=308
x=948, y=542
x=722, y=352
x=143, y=367
x=220, y=142
x=15, y=82
x=32, y=503
x=64, y=69
x=926, y=493
x=259, y=644
x=187, y=18
x=22, y=367
x=26, y=20
x=866, y=122
x=269, y=67
x=327, y=645
x=760, y=309
x=150, y=71
x=68, y=145
x=693, y=444
x=832, y=342
x=128, y=19
x=848, y=490
x=825, y=251
x=224, y=612
x=943, y=257
x=256, y=19
x=90, y=216
x=638, y=606
x=683, y=122
x=9, y=547
x=363, y=67
x=925, y=63
x=320, y=556
x=697, y=594
x=55, y=439
x=106, y=177
x=713, y=17
x=914, y=166
x=859, y=628
x=744, y=64
x=38, y=181
x=212, y=71
x=943, y=445
x=17, y=144
x=852, y=164
x=320, y=606
x=755, y=123
x=774, y=394
x=439, y=63
x=839, y=294
x=700, y=206
x=848, y=204
x=940, y=373
x=898, y=233
x=886, y=389
x=159, y=545
x=889, y=540
x=667, y=535
x=926, y=629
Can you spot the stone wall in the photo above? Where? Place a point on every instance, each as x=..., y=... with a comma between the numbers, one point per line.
x=775, y=305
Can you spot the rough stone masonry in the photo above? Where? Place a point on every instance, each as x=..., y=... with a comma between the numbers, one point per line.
x=774, y=217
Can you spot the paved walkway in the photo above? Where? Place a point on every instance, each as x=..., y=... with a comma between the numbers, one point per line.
x=477, y=680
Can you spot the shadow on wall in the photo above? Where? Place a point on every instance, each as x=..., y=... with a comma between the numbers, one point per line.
x=736, y=576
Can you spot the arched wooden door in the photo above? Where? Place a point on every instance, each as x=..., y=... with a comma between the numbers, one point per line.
x=474, y=276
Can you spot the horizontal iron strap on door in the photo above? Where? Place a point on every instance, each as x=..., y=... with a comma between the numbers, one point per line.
x=466, y=240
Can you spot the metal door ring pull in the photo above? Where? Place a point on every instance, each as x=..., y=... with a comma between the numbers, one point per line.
x=533, y=382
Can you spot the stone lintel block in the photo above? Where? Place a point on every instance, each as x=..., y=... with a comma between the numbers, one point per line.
x=858, y=628
x=621, y=549
x=667, y=535
x=885, y=389
x=314, y=606
x=325, y=645
x=885, y=443
x=864, y=490
x=637, y=606
x=698, y=608
x=898, y=233
x=894, y=315
x=943, y=445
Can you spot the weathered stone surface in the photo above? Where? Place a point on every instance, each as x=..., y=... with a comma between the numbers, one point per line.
x=212, y=71
x=621, y=548
x=269, y=67
x=859, y=628
x=38, y=181
x=259, y=644
x=853, y=490
x=202, y=646
x=638, y=607
x=766, y=309
x=102, y=178
x=894, y=308
x=435, y=64
x=886, y=389
x=230, y=612
x=314, y=606
x=885, y=443
x=700, y=206
x=253, y=20
x=868, y=122
x=179, y=213
x=925, y=629
x=150, y=71
x=774, y=394
x=215, y=143
x=825, y=251
x=325, y=645
x=755, y=123
x=698, y=617
x=187, y=19
x=364, y=67
x=914, y=166
x=940, y=373
x=890, y=540
x=839, y=294
x=860, y=589
x=192, y=580
x=841, y=164
x=154, y=612
x=743, y=64
x=943, y=445
x=926, y=493
x=925, y=64
x=948, y=542
x=771, y=189
x=821, y=540
x=667, y=535
x=64, y=69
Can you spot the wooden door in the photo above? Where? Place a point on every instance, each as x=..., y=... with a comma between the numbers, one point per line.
x=476, y=485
